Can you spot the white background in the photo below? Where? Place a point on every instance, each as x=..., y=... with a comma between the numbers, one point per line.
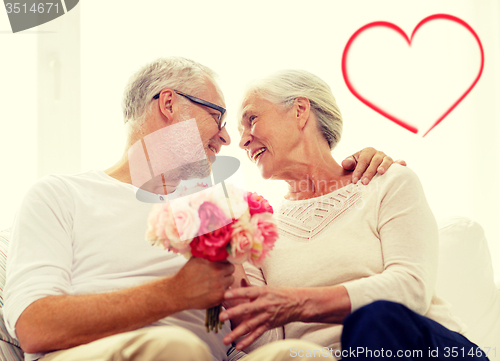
x=62, y=82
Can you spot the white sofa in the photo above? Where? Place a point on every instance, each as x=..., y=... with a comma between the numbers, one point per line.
x=465, y=279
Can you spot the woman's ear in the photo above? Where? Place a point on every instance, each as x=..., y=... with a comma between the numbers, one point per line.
x=301, y=109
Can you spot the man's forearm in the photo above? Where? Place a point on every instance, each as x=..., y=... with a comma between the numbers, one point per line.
x=60, y=322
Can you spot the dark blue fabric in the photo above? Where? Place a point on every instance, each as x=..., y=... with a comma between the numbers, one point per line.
x=388, y=330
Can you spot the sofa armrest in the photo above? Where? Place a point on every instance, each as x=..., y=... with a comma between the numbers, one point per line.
x=466, y=280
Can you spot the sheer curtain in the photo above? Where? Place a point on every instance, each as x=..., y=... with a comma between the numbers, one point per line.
x=40, y=121
x=18, y=117
x=457, y=161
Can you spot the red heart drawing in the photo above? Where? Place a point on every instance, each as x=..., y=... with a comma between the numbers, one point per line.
x=396, y=28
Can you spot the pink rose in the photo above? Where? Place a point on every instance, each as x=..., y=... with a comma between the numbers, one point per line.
x=161, y=226
x=186, y=218
x=264, y=238
x=211, y=218
x=187, y=223
x=212, y=245
x=214, y=234
x=241, y=242
x=165, y=224
x=257, y=204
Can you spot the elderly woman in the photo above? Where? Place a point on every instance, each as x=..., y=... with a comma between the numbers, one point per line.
x=342, y=245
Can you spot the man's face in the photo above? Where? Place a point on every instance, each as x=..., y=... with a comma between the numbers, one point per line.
x=207, y=120
x=212, y=138
x=183, y=149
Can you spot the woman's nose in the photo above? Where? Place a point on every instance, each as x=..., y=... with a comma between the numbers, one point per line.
x=245, y=140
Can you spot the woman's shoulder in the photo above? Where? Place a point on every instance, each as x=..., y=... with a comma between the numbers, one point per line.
x=398, y=172
x=397, y=176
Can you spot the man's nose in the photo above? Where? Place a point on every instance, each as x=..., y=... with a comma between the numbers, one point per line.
x=224, y=136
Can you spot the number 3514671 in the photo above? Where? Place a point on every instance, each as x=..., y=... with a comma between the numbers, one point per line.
x=39, y=8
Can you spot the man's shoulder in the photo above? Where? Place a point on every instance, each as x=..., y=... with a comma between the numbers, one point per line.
x=73, y=177
x=60, y=184
x=57, y=179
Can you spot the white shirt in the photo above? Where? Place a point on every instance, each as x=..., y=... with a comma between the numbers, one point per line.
x=85, y=233
x=380, y=241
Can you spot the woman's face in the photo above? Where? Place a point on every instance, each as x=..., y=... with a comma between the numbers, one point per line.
x=268, y=134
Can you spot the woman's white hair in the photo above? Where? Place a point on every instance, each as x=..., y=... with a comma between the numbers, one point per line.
x=284, y=86
x=175, y=73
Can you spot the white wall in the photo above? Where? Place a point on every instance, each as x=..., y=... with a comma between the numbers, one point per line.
x=457, y=162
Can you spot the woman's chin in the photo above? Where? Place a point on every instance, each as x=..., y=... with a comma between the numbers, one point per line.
x=264, y=172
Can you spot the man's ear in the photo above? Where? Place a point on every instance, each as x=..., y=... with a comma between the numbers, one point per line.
x=301, y=109
x=168, y=104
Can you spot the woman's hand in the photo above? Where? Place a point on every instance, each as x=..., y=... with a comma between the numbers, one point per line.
x=368, y=162
x=269, y=307
x=233, y=302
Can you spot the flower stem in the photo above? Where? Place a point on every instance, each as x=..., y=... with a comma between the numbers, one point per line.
x=212, y=322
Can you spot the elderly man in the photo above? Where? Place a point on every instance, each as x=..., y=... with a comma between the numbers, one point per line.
x=82, y=284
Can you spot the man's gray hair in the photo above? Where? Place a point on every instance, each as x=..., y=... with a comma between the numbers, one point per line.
x=175, y=73
x=284, y=86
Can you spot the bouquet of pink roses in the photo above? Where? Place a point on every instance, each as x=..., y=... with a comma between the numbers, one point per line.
x=217, y=223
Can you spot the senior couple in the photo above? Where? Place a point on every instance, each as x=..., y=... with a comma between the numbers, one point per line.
x=355, y=264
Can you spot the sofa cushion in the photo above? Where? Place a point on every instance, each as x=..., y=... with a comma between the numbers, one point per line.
x=466, y=280
x=4, y=245
x=9, y=347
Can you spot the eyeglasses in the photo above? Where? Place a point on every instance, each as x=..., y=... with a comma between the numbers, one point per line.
x=196, y=100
